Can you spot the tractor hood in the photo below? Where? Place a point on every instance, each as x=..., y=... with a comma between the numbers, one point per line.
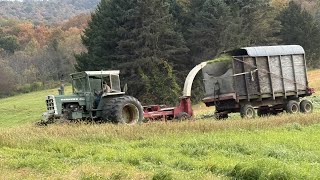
x=55, y=103
x=70, y=98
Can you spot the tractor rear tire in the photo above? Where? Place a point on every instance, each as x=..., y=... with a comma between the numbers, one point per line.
x=306, y=106
x=292, y=107
x=123, y=109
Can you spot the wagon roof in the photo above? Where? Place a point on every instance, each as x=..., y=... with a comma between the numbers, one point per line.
x=269, y=50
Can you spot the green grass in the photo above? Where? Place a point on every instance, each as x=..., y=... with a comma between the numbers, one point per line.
x=283, y=147
x=24, y=108
x=276, y=147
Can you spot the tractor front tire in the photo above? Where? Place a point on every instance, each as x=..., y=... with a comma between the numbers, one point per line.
x=123, y=109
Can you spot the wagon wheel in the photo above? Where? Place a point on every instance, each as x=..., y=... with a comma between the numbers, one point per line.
x=306, y=106
x=247, y=111
x=221, y=116
x=292, y=107
x=264, y=111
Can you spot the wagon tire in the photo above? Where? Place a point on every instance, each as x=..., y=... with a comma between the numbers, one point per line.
x=123, y=110
x=292, y=107
x=247, y=111
x=306, y=106
x=221, y=116
x=263, y=111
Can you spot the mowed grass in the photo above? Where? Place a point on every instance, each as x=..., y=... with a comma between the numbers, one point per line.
x=275, y=147
x=281, y=147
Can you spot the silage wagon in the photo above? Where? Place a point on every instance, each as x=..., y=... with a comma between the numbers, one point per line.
x=269, y=79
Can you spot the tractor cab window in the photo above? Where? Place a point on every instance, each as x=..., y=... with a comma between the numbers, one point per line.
x=95, y=84
x=111, y=83
x=79, y=85
x=106, y=84
x=115, y=83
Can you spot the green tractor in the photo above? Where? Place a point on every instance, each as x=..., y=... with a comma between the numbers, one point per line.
x=97, y=95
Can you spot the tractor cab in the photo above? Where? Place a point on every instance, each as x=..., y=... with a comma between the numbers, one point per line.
x=102, y=83
x=90, y=91
x=94, y=85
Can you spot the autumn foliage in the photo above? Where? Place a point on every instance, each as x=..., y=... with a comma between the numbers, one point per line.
x=37, y=54
x=149, y=41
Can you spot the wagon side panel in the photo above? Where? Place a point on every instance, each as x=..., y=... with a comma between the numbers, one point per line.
x=300, y=72
x=239, y=80
x=288, y=73
x=251, y=76
x=264, y=76
x=276, y=73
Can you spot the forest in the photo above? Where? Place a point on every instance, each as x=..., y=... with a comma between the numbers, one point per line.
x=46, y=11
x=154, y=43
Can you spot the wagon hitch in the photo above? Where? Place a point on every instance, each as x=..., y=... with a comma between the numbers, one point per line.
x=310, y=91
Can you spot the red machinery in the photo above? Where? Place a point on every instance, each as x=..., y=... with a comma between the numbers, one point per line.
x=183, y=111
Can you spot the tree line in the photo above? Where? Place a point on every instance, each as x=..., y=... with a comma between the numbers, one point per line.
x=155, y=43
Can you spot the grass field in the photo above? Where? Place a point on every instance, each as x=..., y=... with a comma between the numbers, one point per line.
x=24, y=109
x=276, y=147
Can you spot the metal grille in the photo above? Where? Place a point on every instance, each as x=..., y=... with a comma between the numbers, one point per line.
x=50, y=104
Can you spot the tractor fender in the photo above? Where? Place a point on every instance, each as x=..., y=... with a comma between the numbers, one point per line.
x=190, y=78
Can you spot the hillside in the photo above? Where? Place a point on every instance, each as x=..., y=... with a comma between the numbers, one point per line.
x=47, y=12
x=56, y=11
x=24, y=109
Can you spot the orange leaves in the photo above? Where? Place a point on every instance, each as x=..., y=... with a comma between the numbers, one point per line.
x=42, y=34
x=25, y=32
x=78, y=22
x=28, y=31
